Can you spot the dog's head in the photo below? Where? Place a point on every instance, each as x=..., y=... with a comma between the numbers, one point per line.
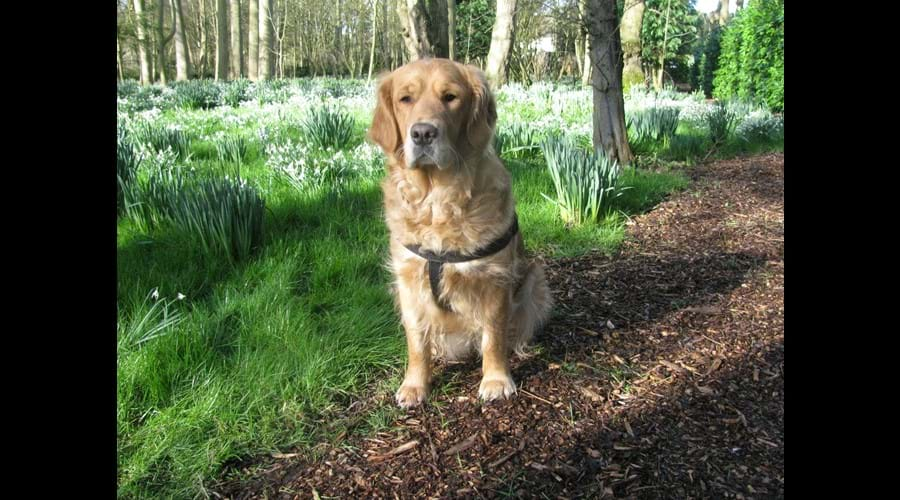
x=434, y=112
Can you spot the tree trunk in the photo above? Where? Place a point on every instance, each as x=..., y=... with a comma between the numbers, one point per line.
x=661, y=69
x=204, y=42
x=609, y=103
x=739, y=4
x=451, y=29
x=235, y=27
x=221, y=39
x=119, y=64
x=163, y=42
x=374, y=34
x=264, y=71
x=723, y=12
x=437, y=24
x=253, y=41
x=182, y=54
x=339, y=56
x=632, y=19
x=143, y=45
x=414, y=29
x=468, y=38
x=383, y=43
x=584, y=45
x=579, y=44
x=580, y=37
x=501, y=41
x=280, y=34
x=587, y=69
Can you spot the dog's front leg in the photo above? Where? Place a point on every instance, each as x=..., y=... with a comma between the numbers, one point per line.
x=414, y=389
x=496, y=381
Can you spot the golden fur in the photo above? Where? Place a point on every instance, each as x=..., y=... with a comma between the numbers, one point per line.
x=453, y=194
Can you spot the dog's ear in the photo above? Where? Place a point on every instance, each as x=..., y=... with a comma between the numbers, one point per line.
x=483, y=112
x=384, y=130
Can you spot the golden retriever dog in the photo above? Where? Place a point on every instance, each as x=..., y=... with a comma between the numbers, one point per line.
x=462, y=281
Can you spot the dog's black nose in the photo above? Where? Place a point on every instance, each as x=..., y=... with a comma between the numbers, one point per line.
x=423, y=133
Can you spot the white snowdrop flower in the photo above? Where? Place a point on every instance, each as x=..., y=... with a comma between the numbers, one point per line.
x=155, y=294
x=180, y=296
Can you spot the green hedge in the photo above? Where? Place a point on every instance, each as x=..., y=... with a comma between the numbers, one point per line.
x=751, y=64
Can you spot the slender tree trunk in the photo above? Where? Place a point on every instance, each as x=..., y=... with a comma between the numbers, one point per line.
x=501, y=42
x=234, y=10
x=579, y=39
x=414, y=29
x=587, y=69
x=586, y=48
x=143, y=45
x=338, y=53
x=298, y=44
x=119, y=65
x=182, y=53
x=164, y=39
x=280, y=34
x=437, y=25
x=204, y=41
x=451, y=29
x=374, y=34
x=265, y=40
x=253, y=41
x=383, y=47
x=609, y=102
x=632, y=20
x=662, y=55
x=221, y=39
x=723, y=12
x=468, y=38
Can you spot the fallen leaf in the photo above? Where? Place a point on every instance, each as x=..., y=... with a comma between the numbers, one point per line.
x=628, y=428
x=671, y=366
x=715, y=365
x=703, y=309
x=462, y=445
x=591, y=394
x=396, y=451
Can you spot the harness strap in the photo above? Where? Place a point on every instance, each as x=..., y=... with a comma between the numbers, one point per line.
x=435, y=262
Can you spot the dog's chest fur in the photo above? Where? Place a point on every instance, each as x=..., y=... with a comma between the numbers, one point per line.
x=452, y=217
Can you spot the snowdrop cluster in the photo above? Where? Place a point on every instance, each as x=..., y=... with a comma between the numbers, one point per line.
x=307, y=169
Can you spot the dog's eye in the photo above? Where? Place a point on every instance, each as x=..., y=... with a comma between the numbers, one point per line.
x=449, y=97
x=406, y=99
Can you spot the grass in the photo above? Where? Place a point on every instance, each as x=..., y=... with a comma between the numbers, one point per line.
x=260, y=347
x=261, y=353
x=545, y=233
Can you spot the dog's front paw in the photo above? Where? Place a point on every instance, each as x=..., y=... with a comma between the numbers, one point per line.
x=411, y=395
x=495, y=387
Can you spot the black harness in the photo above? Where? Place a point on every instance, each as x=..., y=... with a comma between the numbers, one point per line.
x=436, y=261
